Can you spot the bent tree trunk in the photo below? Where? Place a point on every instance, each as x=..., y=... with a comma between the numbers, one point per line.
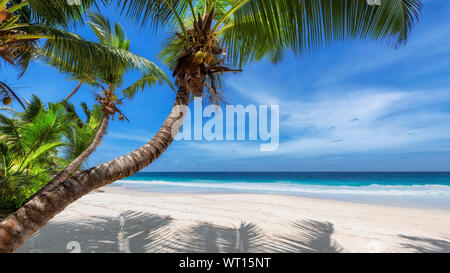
x=22, y=224
x=76, y=163
x=74, y=91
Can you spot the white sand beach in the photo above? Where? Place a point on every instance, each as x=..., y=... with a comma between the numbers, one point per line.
x=118, y=220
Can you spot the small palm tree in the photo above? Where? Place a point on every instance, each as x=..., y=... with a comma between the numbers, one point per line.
x=247, y=30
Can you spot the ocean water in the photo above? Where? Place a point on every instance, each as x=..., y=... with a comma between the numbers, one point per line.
x=407, y=189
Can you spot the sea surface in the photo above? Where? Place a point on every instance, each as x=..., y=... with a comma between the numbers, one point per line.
x=406, y=189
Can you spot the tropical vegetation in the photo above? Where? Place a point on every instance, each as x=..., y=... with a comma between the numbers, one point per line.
x=108, y=79
x=37, y=142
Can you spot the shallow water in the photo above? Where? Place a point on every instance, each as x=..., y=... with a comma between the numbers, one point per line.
x=409, y=189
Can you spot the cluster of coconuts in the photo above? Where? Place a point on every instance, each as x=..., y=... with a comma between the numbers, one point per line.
x=201, y=57
x=7, y=100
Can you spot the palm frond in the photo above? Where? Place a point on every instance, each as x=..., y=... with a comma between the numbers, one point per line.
x=64, y=13
x=78, y=138
x=35, y=154
x=152, y=13
x=148, y=80
x=101, y=27
x=9, y=129
x=86, y=110
x=34, y=107
x=260, y=27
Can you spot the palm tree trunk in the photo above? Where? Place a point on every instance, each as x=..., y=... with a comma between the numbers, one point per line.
x=76, y=163
x=74, y=91
x=22, y=224
x=18, y=99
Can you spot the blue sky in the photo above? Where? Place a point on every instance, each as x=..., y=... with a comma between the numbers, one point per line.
x=356, y=106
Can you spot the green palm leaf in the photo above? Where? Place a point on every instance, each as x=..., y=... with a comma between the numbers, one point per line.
x=254, y=29
x=152, y=13
x=35, y=154
x=260, y=27
x=61, y=12
x=148, y=80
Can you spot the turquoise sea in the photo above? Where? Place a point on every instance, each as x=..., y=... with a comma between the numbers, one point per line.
x=409, y=189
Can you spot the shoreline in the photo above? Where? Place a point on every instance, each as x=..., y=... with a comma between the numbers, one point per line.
x=434, y=202
x=119, y=189
x=114, y=219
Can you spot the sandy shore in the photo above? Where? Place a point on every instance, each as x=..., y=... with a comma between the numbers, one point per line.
x=116, y=220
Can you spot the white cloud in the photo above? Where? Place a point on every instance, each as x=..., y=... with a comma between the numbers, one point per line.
x=427, y=43
x=359, y=121
x=138, y=136
x=366, y=121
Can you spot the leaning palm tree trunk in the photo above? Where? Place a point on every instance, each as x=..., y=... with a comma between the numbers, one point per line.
x=22, y=224
x=76, y=163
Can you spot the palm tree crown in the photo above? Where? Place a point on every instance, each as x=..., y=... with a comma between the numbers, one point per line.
x=211, y=33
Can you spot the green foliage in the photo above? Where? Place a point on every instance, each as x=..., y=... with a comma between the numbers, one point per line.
x=81, y=133
x=37, y=143
x=254, y=29
x=250, y=30
x=27, y=22
x=105, y=62
x=61, y=12
x=47, y=21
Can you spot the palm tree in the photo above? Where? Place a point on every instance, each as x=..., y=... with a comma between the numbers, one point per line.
x=247, y=30
x=36, y=29
x=74, y=55
x=108, y=79
x=31, y=144
x=28, y=150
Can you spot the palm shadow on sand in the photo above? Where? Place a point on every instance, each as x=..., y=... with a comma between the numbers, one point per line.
x=308, y=236
x=129, y=232
x=208, y=238
x=140, y=233
x=426, y=245
x=304, y=237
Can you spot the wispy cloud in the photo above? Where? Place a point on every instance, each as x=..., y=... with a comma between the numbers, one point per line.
x=130, y=135
x=356, y=121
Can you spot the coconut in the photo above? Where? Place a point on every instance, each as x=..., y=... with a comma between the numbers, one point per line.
x=208, y=58
x=5, y=15
x=199, y=57
x=121, y=117
x=7, y=100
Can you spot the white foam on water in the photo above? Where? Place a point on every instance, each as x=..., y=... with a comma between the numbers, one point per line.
x=291, y=188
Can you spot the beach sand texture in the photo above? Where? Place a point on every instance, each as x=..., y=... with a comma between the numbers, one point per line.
x=117, y=220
